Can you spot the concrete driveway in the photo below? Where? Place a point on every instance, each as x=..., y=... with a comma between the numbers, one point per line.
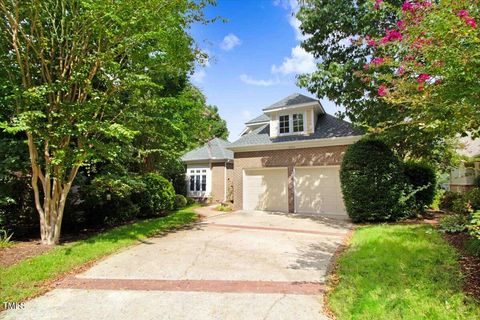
x=242, y=265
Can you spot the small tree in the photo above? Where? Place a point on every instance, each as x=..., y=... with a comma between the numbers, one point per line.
x=372, y=182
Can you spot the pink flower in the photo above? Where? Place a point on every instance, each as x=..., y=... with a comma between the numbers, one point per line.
x=382, y=90
x=400, y=24
x=378, y=61
x=407, y=6
x=394, y=35
x=463, y=13
x=426, y=4
x=366, y=67
x=471, y=22
x=423, y=77
x=372, y=43
x=384, y=40
x=401, y=70
x=377, y=4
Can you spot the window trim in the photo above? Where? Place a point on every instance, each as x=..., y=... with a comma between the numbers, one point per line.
x=290, y=123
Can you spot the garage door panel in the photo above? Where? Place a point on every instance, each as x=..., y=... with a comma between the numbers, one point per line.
x=266, y=189
x=317, y=190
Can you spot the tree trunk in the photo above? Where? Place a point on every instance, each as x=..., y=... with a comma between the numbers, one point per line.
x=55, y=190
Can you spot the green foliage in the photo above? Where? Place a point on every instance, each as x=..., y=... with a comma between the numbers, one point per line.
x=474, y=225
x=338, y=32
x=422, y=178
x=372, y=182
x=180, y=201
x=439, y=193
x=472, y=197
x=400, y=272
x=158, y=197
x=5, y=238
x=191, y=201
x=454, y=223
x=448, y=199
x=224, y=207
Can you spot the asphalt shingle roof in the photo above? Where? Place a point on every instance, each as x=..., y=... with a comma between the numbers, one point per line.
x=327, y=126
x=215, y=149
x=290, y=101
x=260, y=118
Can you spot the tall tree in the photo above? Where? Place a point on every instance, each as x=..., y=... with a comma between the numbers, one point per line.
x=72, y=65
x=339, y=32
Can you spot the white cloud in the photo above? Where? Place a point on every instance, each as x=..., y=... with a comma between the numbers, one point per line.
x=299, y=61
x=198, y=76
x=292, y=7
x=254, y=82
x=229, y=42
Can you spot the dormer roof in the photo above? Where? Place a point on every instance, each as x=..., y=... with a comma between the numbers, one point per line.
x=293, y=101
x=260, y=119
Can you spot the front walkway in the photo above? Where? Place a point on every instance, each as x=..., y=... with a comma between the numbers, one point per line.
x=241, y=265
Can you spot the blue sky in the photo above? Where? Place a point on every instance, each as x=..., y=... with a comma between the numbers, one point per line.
x=254, y=58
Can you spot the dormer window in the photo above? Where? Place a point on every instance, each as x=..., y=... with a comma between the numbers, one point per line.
x=284, y=124
x=291, y=123
x=298, y=122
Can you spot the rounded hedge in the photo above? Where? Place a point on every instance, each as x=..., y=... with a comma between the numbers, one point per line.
x=421, y=177
x=372, y=182
x=159, y=195
x=180, y=201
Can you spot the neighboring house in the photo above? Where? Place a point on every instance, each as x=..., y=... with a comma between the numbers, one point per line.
x=462, y=178
x=210, y=171
x=288, y=159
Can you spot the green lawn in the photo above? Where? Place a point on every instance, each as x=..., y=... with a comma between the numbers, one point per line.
x=400, y=272
x=26, y=278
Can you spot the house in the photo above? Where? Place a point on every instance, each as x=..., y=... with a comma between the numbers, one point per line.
x=210, y=171
x=288, y=158
x=462, y=178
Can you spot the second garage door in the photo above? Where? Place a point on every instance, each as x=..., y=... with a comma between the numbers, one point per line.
x=265, y=189
x=317, y=190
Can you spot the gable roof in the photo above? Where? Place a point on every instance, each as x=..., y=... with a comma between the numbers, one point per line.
x=215, y=149
x=290, y=101
x=261, y=118
x=327, y=126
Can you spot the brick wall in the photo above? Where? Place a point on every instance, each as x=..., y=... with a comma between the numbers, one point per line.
x=218, y=181
x=290, y=158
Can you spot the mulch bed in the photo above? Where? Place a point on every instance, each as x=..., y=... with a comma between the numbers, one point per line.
x=21, y=251
x=469, y=264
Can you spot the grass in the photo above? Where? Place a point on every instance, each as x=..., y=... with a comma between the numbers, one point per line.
x=5, y=239
x=400, y=272
x=29, y=277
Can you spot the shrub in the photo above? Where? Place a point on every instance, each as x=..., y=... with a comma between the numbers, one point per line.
x=472, y=197
x=372, y=181
x=473, y=247
x=448, y=198
x=180, y=201
x=107, y=199
x=190, y=201
x=474, y=225
x=423, y=181
x=158, y=197
x=460, y=206
x=439, y=193
x=454, y=223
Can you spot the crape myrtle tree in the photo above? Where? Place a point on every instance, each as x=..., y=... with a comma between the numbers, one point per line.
x=72, y=67
x=345, y=37
x=428, y=65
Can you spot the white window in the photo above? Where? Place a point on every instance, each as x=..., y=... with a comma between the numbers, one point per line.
x=198, y=181
x=284, y=124
x=291, y=123
x=297, y=122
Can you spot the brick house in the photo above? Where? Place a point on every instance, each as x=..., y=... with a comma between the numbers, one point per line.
x=288, y=159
